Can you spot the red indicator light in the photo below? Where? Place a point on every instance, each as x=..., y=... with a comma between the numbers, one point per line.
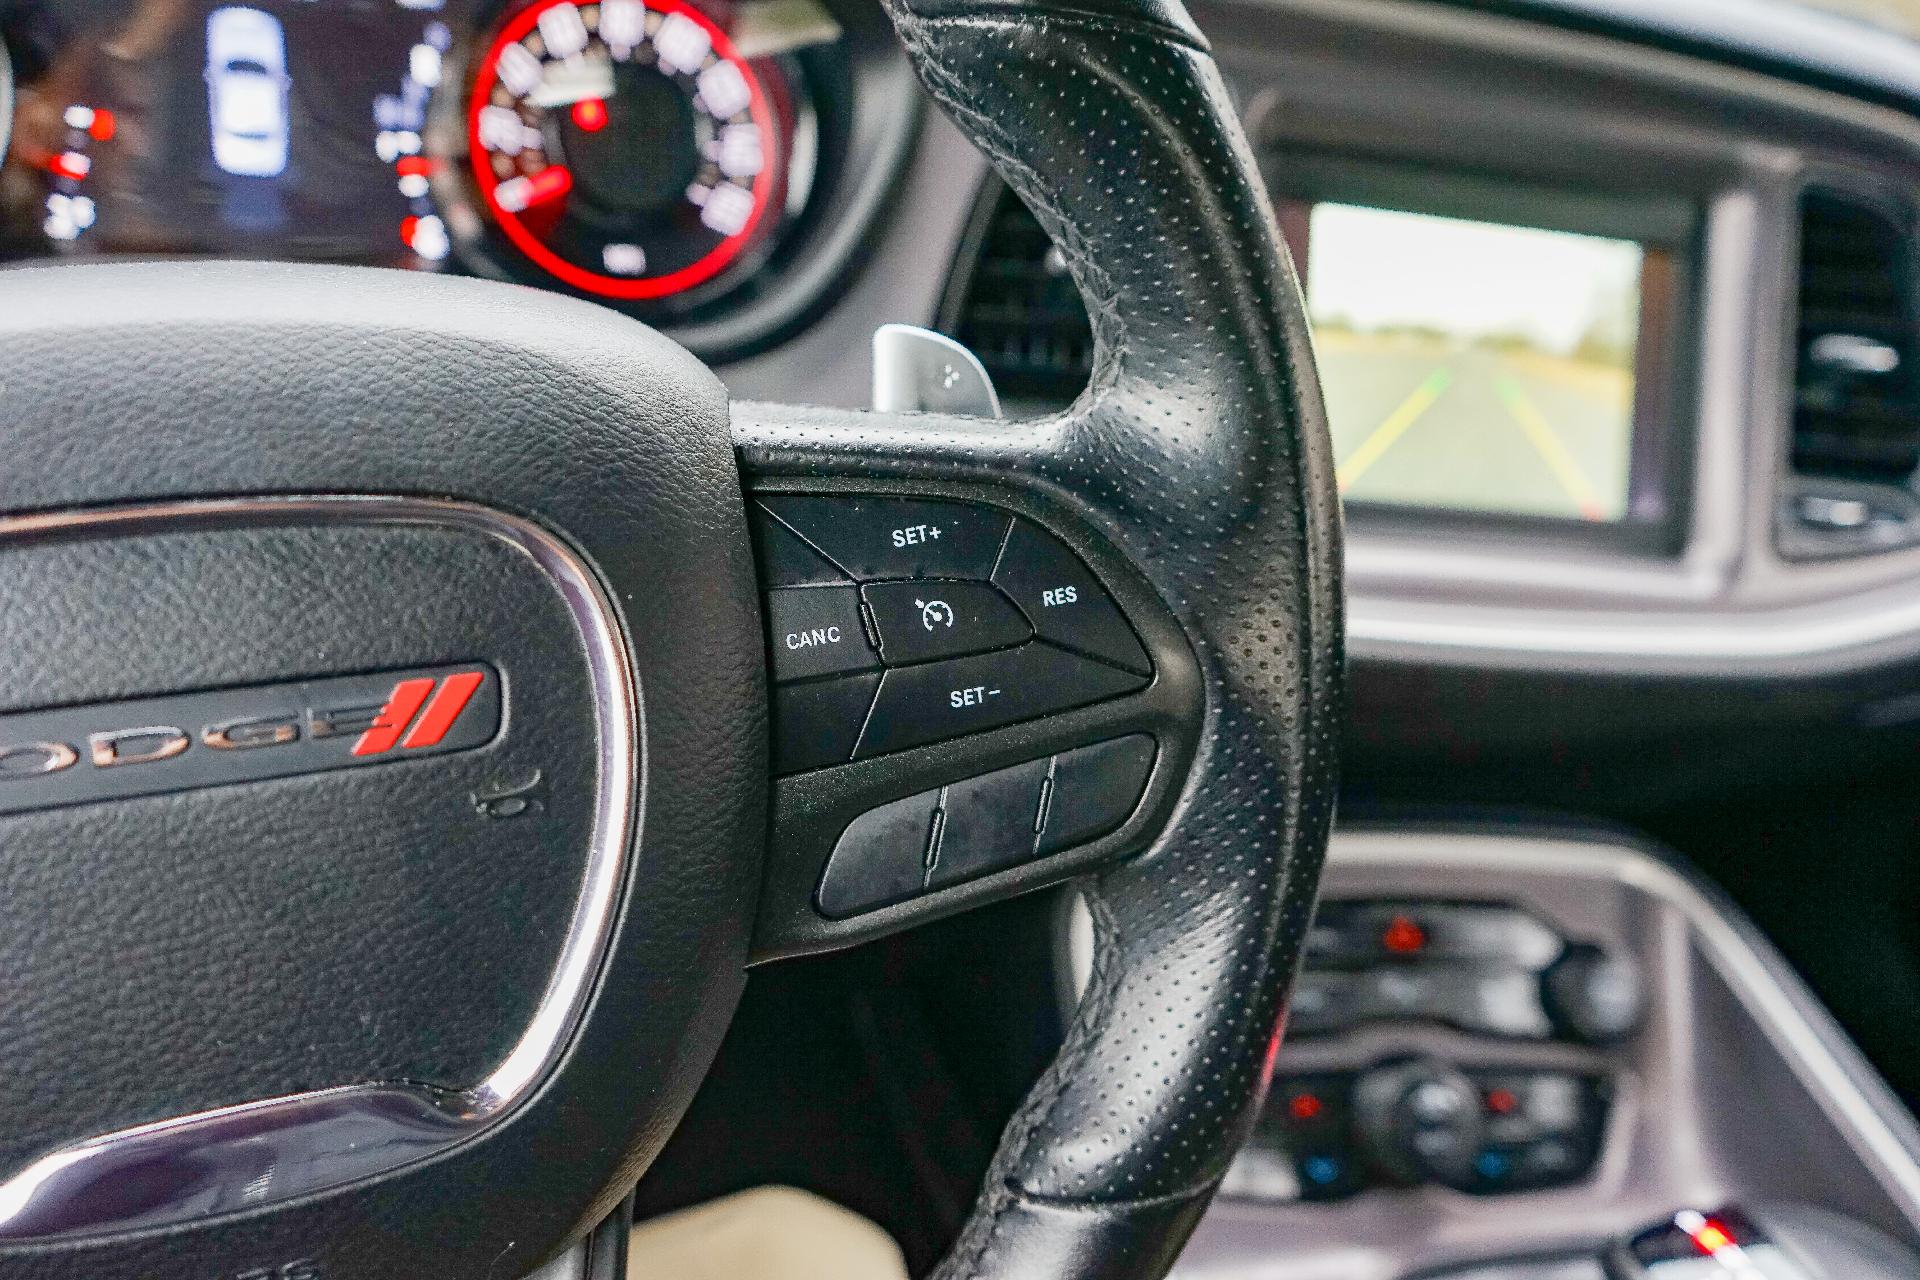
x=1502, y=1102
x=1304, y=1106
x=1711, y=1238
x=1403, y=936
x=104, y=126
x=590, y=114
x=70, y=164
x=413, y=166
x=549, y=184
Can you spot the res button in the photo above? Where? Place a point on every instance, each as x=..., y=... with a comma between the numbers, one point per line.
x=872, y=537
x=1065, y=601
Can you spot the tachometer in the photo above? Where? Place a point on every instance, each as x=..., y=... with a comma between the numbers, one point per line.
x=625, y=147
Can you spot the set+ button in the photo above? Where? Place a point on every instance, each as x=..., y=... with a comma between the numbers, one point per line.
x=874, y=538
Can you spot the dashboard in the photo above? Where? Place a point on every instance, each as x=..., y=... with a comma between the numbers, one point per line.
x=1619, y=340
x=681, y=166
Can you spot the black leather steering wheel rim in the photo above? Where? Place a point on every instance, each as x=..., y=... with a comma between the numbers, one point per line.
x=232, y=488
x=1200, y=451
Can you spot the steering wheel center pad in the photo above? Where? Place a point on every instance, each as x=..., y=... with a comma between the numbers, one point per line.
x=230, y=488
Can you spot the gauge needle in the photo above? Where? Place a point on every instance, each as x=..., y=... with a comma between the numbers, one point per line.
x=516, y=195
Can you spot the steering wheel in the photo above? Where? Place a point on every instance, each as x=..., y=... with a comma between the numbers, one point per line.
x=386, y=816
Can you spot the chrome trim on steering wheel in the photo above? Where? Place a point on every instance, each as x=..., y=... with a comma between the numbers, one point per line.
x=259, y=1153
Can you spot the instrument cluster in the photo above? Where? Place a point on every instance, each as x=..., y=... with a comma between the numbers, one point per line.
x=690, y=161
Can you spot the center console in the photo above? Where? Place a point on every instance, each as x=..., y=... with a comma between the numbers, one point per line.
x=1353, y=1110
x=1557, y=1057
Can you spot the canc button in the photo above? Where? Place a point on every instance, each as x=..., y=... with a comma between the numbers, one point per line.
x=816, y=631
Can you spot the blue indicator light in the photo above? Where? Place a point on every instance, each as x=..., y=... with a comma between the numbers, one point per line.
x=1321, y=1171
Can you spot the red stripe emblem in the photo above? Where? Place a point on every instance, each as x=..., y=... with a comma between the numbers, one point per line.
x=449, y=701
x=404, y=703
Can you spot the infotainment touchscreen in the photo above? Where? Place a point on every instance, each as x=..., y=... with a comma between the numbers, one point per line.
x=1476, y=366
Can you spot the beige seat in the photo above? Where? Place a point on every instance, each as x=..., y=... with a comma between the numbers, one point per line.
x=769, y=1233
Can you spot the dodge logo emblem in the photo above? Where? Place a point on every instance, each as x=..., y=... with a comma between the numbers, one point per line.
x=146, y=746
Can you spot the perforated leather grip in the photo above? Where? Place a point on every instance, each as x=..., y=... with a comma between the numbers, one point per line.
x=1200, y=450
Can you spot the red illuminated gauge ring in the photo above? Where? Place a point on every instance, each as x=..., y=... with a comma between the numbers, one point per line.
x=722, y=256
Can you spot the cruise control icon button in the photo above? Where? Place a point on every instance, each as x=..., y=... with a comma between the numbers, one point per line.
x=816, y=631
x=939, y=700
x=873, y=537
x=924, y=620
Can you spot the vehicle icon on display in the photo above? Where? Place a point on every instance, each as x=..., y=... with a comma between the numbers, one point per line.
x=247, y=91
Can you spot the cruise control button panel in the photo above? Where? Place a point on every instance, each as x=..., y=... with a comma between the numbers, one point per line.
x=976, y=619
x=980, y=825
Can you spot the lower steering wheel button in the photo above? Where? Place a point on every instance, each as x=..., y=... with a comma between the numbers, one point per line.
x=990, y=824
x=815, y=725
x=940, y=700
x=1095, y=789
x=881, y=858
x=928, y=619
x=1065, y=602
x=816, y=631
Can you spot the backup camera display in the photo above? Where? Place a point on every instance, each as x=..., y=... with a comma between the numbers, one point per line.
x=1476, y=366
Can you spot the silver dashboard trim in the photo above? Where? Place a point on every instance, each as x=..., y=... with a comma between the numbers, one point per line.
x=1827, y=637
x=242, y=1157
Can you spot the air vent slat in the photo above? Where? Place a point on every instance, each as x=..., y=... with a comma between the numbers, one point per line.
x=1856, y=418
x=1020, y=313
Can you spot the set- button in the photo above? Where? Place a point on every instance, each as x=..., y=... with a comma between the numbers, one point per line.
x=897, y=622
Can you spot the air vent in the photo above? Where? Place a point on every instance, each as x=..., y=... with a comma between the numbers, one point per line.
x=1012, y=302
x=1855, y=414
